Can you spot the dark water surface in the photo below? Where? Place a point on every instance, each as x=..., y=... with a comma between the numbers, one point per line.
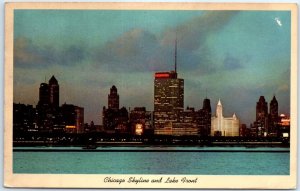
x=158, y=160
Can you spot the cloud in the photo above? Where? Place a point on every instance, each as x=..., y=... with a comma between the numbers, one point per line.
x=24, y=55
x=136, y=50
x=194, y=32
x=132, y=51
x=232, y=63
x=30, y=55
x=139, y=50
x=192, y=40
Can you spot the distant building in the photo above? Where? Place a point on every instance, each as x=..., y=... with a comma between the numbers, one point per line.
x=244, y=131
x=49, y=117
x=284, y=126
x=266, y=124
x=224, y=126
x=44, y=95
x=122, y=121
x=261, y=123
x=113, y=98
x=49, y=94
x=53, y=92
x=273, y=118
x=204, y=119
x=169, y=115
x=23, y=119
x=140, y=121
x=168, y=99
x=73, y=118
x=115, y=120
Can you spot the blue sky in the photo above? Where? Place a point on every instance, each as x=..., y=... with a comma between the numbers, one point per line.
x=232, y=55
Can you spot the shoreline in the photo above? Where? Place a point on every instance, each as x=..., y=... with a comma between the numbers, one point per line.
x=146, y=150
x=155, y=144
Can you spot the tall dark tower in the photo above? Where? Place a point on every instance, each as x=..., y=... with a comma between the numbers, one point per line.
x=53, y=92
x=44, y=95
x=205, y=118
x=261, y=109
x=262, y=116
x=113, y=98
x=274, y=108
x=206, y=105
x=273, y=117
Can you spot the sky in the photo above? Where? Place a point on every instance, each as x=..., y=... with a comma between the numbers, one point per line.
x=235, y=56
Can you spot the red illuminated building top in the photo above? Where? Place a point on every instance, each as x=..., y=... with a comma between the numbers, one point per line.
x=162, y=75
x=169, y=75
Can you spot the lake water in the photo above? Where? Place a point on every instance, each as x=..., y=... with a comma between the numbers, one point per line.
x=158, y=160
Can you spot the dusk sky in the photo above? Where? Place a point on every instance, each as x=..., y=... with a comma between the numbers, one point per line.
x=236, y=56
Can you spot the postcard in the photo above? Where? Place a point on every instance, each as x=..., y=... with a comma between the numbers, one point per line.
x=150, y=95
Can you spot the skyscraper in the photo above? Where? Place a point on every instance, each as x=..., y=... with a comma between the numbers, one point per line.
x=115, y=120
x=224, y=126
x=261, y=109
x=261, y=123
x=273, y=117
x=53, y=92
x=168, y=97
x=206, y=105
x=44, y=95
x=274, y=108
x=113, y=98
x=204, y=121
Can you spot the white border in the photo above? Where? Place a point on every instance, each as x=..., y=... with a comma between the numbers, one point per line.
x=227, y=183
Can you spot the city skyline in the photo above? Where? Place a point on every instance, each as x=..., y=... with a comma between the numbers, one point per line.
x=213, y=57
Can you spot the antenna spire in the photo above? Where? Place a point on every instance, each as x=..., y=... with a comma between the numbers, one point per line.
x=175, y=55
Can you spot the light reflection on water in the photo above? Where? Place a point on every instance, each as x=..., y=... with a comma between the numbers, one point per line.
x=202, y=163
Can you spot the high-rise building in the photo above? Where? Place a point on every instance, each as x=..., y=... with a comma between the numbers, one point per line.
x=49, y=94
x=261, y=123
x=274, y=107
x=261, y=109
x=273, y=118
x=113, y=98
x=224, y=126
x=79, y=119
x=44, y=95
x=73, y=118
x=204, y=119
x=115, y=120
x=168, y=98
x=53, y=92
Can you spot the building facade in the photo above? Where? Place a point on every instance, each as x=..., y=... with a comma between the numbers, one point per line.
x=261, y=123
x=273, y=118
x=113, y=98
x=53, y=92
x=140, y=121
x=50, y=117
x=168, y=100
x=115, y=120
x=224, y=126
x=266, y=123
x=204, y=119
x=73, y=118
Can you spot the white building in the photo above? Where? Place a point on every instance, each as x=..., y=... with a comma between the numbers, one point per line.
x=224, y=126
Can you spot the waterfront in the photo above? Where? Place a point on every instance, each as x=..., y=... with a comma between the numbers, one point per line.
x=153, y=160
